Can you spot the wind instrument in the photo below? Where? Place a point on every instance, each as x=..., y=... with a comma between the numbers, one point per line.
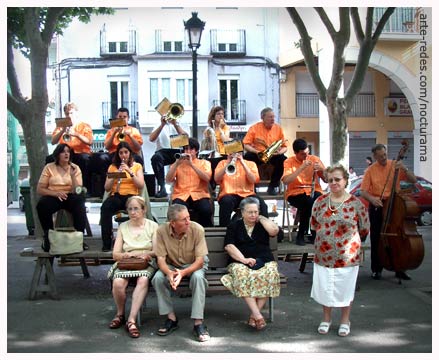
x=66, y=136
x=122, y=161
x=121, y=136
x=172, y=111
x=313, y=183
x=181, y=155
x=231, y=167
x=266, y=155
x=65, y=123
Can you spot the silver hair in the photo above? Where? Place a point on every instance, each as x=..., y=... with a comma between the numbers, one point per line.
x=248, y=201
x=174, y=210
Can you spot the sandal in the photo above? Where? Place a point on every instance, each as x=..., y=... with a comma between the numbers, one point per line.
x=201, y=333
x=168, y=327
x=117, y=322
x=132, y=329
x=252, y=322
x=323, y=328
x=344, y=329
x=260, y=323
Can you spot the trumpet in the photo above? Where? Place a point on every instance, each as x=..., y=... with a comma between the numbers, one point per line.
x=181, y=155
x=66, y=136
x=266, y=155
x=231, y=168
x=121, y=136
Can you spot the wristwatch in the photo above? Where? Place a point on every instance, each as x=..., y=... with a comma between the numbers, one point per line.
x=78, y=190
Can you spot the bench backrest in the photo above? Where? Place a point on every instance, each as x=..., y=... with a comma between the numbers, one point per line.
x=218, y=257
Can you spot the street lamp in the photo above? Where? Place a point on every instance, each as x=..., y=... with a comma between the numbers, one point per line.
x=194, y=27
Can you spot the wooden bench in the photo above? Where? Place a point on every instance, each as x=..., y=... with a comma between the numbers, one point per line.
x=44, y=281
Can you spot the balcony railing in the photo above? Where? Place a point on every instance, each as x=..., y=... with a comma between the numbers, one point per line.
x=403, y=20
x=235, y=109
x=109, y=111
x=175, y=42
x=227, y=42
x=127, y=46
x=363, y=106
x=307, y=105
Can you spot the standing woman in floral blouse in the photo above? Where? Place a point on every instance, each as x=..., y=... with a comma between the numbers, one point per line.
x=341, y=222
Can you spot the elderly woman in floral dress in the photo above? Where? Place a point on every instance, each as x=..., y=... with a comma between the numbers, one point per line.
x=253, y=273
x=341, y=222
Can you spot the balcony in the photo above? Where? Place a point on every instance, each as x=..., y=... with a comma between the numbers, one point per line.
x=402, y=25
x=234, y=111
x=227, y=42
x=307, y=105
x=170, y=42
x=121, y=45
x=109, y=111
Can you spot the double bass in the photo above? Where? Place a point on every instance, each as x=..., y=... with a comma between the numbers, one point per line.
x=400, y=247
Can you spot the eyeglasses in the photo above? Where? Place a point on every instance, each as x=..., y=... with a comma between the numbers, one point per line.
x=336, y=179
x=135, y=209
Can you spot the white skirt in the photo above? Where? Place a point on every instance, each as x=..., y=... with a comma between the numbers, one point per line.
x=334, y=287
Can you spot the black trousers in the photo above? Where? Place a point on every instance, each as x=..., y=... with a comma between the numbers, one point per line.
x=230, y=202
x=213, y=164
x=48, y=205
x=276, y=160
x=304, y=204
x=159, y=160
x=109, y=207
x=376, y=220
x=202, y=210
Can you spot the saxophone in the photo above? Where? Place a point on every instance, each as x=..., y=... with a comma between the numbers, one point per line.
x=266, y=155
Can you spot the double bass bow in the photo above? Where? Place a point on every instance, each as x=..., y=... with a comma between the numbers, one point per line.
x=400, y=247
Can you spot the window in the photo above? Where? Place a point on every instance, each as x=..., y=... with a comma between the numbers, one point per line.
x=221, y=47
x=176, y=90
x=119, y=96
x=123, y=46
x=167, y=46
x=112, y=46
x=181, y=98
x=232, y=47
x=153, y=92
x=166, y=88
x=178, y=46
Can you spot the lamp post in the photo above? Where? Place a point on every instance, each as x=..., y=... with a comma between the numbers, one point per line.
x=194, y=27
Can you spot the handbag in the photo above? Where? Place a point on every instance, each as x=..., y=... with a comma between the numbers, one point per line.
x=65, y=242
x=132, y=263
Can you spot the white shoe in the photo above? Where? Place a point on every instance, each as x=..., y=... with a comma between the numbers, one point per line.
x=323, y=328
x=344, y=329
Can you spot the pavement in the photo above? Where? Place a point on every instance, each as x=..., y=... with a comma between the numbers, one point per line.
x=386, y=317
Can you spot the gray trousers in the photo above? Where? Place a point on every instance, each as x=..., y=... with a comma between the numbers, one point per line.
x=197, y=283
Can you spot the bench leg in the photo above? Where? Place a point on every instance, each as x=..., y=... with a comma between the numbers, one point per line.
x=84, y=268
x=303, y=262
x=271, y=309
x=87, y=227
x=50, y=286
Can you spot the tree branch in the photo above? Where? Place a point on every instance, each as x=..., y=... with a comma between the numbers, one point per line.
x=325, y=20
x=369, y=22
x=32, y=27
x=357, y=25
x=52, y=17
x=12, y=74
x=305, y=46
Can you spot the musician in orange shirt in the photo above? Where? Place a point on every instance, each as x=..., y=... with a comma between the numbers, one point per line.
x=258, y=138
x=375, y=188
x=79, y=137
x=190, y=177
x=301, y=173
x=236, y=186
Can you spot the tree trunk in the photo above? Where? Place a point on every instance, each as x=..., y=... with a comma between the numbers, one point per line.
x=339, y=130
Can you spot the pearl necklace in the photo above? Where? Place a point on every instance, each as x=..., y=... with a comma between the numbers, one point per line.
x=334, y=209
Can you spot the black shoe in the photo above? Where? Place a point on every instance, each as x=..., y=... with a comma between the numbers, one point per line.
x=272, y=190
x=376, y=275
x=300, y=239
x=161, y=194
x=85, y=246
x=280, y=235
x=106, y=249
x=402, y=275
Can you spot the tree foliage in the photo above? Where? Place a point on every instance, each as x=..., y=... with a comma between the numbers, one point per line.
x=31, y=30
x=338, y=107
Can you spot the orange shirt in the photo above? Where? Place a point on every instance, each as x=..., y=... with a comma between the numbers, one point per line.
x=219, y=141
x=237, y=184
x=188, y=183
x=269, y=136
x=134, y=133
x=127, y=186
x=303, y=182
x=376, y=176
x=59, y=181
x=76, y=144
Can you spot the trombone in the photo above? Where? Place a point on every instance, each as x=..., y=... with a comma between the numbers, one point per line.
x=172, y=111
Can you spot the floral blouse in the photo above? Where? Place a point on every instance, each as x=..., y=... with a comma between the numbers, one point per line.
x=339, y=231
